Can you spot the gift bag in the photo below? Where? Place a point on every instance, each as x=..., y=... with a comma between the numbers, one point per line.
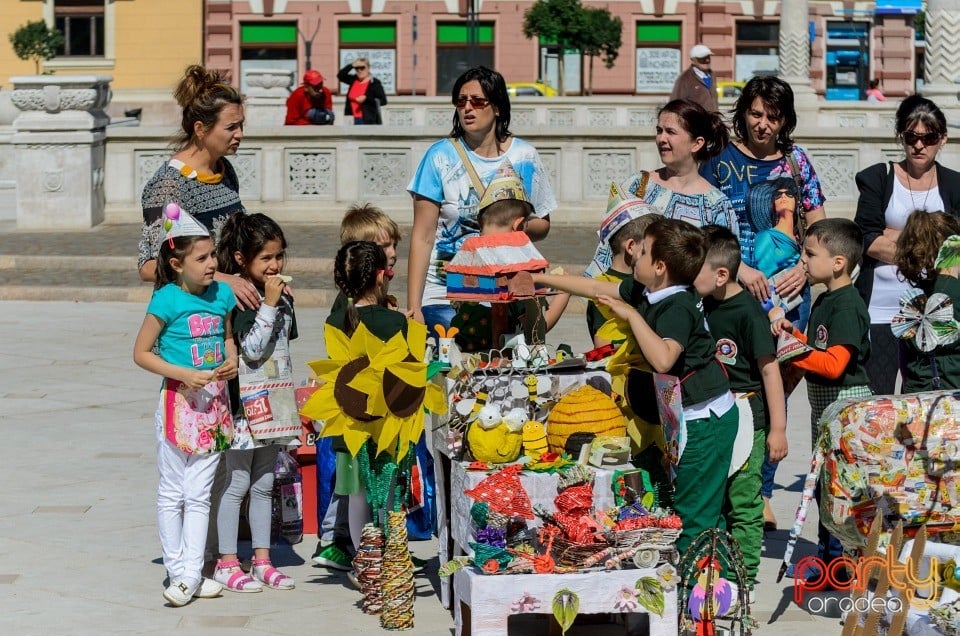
x=287, y=518
x=267, y=395
x=670, y=405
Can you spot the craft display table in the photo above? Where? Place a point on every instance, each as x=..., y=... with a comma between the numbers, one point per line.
x=484, y=601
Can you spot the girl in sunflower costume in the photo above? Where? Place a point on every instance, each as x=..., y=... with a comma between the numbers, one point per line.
x=372, y=402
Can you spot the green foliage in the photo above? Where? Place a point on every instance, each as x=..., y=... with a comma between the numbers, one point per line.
x=36, y=41
x=920, y=25
x=601, y=34
x=556, y=21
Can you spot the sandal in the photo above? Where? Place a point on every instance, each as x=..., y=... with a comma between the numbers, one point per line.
x=270, y=576
x=229, y=574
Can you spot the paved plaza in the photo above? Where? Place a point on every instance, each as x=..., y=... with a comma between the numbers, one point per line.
x=78, y=537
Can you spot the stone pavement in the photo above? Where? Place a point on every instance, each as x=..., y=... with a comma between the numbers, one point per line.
x=78, y=536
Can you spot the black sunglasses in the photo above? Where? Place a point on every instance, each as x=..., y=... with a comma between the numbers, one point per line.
x=359, y=68
x=477, y=102
x=927, y=139
x=784, y=193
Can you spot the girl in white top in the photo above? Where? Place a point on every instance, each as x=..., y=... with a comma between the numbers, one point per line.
x=253, y=247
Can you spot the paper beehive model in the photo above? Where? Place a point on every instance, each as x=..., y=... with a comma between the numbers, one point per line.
x=584, y=410
x=495, y=268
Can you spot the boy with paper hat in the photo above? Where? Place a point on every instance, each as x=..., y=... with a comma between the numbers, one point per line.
x=620, y=233
x=504, y=205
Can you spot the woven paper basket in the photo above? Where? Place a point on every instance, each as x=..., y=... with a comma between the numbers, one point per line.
x=570, y=554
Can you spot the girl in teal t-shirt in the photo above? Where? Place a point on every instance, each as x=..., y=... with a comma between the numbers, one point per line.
x=187, y=320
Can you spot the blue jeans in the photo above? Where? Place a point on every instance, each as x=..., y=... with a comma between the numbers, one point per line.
x=437, y=315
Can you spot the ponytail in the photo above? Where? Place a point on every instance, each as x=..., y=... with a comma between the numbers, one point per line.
x=698, y=122
x=919, y=243
x=355, y=271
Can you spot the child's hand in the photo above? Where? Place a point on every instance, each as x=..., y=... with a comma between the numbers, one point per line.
x=227, y=370
x=197, y=379
x=619, y=308
x=776, y=445
x=272, y=288
x=780, y=325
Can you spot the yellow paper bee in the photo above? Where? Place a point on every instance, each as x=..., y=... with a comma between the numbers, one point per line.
x=534, y=439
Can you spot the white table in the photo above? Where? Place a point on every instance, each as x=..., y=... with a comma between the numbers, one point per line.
x=484, y=601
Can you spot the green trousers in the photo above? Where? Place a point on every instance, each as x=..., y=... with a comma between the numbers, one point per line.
x=701, y=480
x=743, y=507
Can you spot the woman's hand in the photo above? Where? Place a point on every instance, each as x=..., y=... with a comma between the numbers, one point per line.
x=754, y=282
x=246, y=293
x=776, y=445
x=780, y=325
x=792, y=282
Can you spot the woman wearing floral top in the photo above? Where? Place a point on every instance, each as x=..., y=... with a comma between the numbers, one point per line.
x=198, y=177
x=687, y=135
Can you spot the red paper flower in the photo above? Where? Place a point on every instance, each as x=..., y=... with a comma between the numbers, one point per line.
x=492, y=566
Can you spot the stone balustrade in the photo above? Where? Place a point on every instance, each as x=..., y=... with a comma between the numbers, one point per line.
x=71, y=171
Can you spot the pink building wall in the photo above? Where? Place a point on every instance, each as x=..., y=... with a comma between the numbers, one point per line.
x=892, y=47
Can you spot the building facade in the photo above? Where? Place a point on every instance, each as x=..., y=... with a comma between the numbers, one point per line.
x=142, y=44
x=420, y=47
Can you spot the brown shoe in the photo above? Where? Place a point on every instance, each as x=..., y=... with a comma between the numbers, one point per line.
x=769, y=521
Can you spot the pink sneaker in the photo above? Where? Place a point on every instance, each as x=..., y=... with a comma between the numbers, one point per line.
x=229, y=574
x=270, y=576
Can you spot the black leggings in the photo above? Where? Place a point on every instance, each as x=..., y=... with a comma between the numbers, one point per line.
x=884, y=361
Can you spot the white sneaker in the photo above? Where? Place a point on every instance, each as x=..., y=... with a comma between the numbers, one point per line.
x=180, y=593
x=208, y=588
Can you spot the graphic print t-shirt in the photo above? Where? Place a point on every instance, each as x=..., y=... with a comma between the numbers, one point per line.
x=193, y=326
x=734, y=172
x=442, y=177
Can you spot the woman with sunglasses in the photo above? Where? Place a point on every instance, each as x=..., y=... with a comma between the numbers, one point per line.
x=763, y=121
x=889, y=192
x=365, y=95
x=450, y=181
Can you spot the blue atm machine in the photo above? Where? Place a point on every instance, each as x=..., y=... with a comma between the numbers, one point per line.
x=848, y=60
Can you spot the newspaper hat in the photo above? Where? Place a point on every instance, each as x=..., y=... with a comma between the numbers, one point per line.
x=178, y=222
x=506, y=184
x=621, y=209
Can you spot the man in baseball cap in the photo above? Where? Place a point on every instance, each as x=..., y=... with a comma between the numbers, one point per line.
x=696, y=83
x=310, y=103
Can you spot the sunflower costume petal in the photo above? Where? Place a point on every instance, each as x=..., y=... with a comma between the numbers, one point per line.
x=614, y=329
x=416, y=338
x=337, y=343
x=391, y=353
x=325, y=369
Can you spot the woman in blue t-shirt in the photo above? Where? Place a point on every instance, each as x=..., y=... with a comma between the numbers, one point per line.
x=763, y=122
x=450, y=181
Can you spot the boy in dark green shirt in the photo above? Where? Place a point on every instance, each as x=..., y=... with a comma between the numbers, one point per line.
x=838, y=331
x=669, y=328
x=748, y=352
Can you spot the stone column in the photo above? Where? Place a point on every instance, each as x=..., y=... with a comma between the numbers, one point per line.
x=794, y=52
x=267, y=92
x=942, y=52
x=58, y=145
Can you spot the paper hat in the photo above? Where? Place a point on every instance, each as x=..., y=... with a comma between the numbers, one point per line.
x=506, y=184
x=621, y=209
x=178, y=222
x=313, y=78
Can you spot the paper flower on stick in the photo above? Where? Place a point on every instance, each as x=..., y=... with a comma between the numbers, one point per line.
x=374, y=389
x=503, y=493
x=929, y=321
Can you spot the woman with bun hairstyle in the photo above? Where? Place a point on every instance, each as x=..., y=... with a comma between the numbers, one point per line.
x=687, y=136
x=198, y=176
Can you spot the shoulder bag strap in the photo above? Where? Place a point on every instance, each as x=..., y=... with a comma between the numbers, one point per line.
x=801, y=213
x=474, y=177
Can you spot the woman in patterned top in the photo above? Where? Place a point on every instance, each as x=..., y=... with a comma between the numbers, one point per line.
x=198, y=177
x=687, y=135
